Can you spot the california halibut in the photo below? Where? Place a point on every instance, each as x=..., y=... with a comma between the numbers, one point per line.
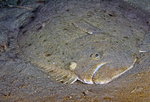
x=94, y=42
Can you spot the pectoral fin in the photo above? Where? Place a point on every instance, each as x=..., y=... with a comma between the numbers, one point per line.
x=88, y=28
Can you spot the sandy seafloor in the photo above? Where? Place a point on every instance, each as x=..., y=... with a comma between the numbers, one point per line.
x=20, y=81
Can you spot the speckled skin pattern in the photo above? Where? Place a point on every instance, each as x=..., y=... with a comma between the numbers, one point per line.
x=54, y=40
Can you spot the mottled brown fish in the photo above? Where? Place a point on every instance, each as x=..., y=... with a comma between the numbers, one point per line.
x=94, y=42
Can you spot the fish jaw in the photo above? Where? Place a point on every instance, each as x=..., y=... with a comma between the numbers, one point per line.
x=88, y=78
x=97, y=68
x=109, y=72
x=104, y=73
x=86, y=81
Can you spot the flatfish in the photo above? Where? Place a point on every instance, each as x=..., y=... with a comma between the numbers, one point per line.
x=91, y=41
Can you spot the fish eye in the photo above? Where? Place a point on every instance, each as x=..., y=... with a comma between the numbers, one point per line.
x=95, y=56
x=72, y=66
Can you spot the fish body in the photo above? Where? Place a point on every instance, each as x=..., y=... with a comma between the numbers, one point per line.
x=94, y=43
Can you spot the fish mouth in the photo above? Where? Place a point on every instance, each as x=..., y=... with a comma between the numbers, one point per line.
x=90, y=78
x=104, y=73
x=97, y=68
